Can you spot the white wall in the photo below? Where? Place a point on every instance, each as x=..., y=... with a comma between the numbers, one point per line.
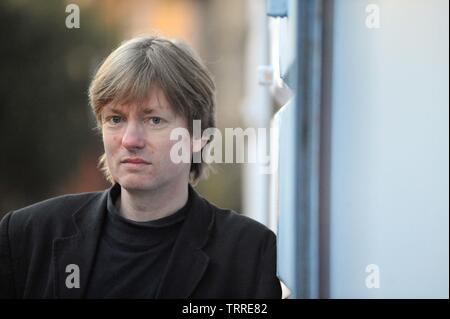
x=390, y=159
x=256, y=111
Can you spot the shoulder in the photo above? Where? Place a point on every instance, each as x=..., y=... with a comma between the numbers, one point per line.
x=43, y=214
x=231, y=224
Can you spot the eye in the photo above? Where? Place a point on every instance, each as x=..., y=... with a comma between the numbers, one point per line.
x=155, y=120
x=115, y=119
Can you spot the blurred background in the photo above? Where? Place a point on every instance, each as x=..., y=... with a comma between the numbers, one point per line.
x=355, y=93
x=48, y=143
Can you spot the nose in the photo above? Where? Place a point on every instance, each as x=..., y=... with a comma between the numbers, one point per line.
x=133, y=137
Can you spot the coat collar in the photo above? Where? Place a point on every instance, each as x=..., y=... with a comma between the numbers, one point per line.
x=187, y=255
x=79, y=249
x=188, y=261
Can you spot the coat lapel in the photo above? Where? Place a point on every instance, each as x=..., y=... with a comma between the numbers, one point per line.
x=186, y=266
x=188, y=262
x=75, y=254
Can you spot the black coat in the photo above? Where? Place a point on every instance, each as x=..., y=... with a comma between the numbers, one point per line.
x=218, y=253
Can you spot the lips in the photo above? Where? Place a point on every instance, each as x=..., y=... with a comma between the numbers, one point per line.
x=134, y=160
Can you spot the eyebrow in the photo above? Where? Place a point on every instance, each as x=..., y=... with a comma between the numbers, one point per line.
x=114, y=110
x=146, y=110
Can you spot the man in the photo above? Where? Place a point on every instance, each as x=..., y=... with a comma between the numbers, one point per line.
x=150, y=235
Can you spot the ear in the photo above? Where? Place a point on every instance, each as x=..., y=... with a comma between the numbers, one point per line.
x=198, y=144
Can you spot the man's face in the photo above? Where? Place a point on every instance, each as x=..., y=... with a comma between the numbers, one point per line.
x=137, y=143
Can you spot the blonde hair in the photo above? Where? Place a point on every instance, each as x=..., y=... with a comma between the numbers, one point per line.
x=128, y=73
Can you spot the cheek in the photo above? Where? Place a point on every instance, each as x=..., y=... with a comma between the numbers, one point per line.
x=161, y=148
x=186, y=147
x=111, y=143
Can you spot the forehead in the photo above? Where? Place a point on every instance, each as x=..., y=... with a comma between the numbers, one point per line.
x=154, y=101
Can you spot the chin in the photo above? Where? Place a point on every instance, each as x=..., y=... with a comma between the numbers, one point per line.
x=137, y=184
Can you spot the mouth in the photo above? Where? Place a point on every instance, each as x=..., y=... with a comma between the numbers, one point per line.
x=135, y=161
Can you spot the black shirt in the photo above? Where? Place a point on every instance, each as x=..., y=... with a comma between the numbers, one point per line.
x=132, y=256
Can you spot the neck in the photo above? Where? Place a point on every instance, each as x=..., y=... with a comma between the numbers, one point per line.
x=151, y=205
